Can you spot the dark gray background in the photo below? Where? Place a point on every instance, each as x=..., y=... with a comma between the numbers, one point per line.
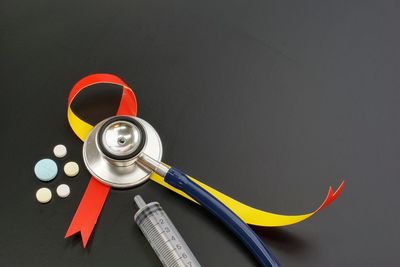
x=268, y=101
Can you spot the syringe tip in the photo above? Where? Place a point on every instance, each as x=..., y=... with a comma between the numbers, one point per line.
x=139, y=201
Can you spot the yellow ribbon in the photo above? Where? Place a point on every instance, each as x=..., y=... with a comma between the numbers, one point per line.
x=246, y=213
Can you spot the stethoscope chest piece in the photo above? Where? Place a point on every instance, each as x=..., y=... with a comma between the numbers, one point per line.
x=113, y=146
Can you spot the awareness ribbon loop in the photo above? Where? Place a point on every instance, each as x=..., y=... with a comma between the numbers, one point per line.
x=96, y=192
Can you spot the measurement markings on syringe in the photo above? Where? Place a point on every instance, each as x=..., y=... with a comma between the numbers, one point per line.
x=164, y=237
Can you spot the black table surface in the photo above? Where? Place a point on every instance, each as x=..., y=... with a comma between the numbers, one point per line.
x=268, y=101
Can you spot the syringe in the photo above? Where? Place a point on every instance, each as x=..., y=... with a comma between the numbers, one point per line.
x=162, y=235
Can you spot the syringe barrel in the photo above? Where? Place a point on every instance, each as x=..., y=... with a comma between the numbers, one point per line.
x=162, y=235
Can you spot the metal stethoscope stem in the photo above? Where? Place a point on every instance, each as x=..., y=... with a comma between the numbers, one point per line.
x=123, y=151
x=153, y=165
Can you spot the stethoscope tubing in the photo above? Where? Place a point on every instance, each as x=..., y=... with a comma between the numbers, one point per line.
x=249, y=238
x=118, y=154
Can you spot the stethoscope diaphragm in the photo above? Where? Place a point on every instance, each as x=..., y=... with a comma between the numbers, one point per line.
x=112, y=148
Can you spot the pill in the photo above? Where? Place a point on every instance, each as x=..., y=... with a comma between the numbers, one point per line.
x=43, y=195
x=63, y=190
x=71, y=169
x=60, y=151
x=46, y=170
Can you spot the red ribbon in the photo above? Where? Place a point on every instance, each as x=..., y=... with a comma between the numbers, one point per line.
x=96, y=192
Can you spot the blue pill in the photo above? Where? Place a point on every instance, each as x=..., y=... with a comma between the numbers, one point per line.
x=46, y=170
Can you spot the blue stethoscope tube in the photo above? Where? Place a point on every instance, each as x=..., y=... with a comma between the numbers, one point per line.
x=250, y=239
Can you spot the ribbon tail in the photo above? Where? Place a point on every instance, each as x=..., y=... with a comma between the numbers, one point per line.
x=249, y=214
x=331, y=196
x=88, y=210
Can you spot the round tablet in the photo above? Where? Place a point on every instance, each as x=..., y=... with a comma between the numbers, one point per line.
x=71, y=169
x=63, y=190
x=46, y=170
x=43, y=195
x=60, y=151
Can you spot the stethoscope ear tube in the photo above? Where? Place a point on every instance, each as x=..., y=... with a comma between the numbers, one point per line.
x=179, y=180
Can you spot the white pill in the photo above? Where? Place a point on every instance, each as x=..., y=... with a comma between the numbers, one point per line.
x=71, y=169
x=63, y=190
x=43, y=195
x=60, y=151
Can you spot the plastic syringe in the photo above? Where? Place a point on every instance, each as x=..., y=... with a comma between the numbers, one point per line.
x=162, y=235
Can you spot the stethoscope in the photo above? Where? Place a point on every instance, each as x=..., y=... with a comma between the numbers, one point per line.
x=123, y=151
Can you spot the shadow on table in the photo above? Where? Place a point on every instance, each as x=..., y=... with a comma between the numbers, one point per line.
x=283, y=240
